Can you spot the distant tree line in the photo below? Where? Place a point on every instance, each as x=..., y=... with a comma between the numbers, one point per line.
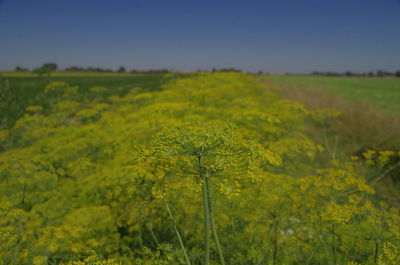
x=88, y=69
x=47, y=68
x=151, y=71
x=44, y=70
x=230, y=69
x=379, y=73
x=20, y=69
x=119, y=70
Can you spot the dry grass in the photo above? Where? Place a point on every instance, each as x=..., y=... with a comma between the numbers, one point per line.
x=360, y=126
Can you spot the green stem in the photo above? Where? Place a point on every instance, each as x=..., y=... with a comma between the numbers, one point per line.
x=275, y=249
x=376, y=251
x=333, y=244
x=149, y=226
x=177, y=232
x=23, y=196
x=213, y=227
x=385, y=173
x=141, y=236
x=207, y=225
x=19, y=241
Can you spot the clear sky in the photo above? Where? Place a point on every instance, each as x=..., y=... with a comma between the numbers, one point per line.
x=273, y=36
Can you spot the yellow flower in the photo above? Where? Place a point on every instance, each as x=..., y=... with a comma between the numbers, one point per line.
x=34, y=108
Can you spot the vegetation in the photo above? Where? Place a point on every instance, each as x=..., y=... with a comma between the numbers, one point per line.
x=210, y=169
x=20, y=69
x=18, y=93
x=381, y=92
x=88, y=69
x=379, y=73
x=119, y=70
x=45, y=69
x=360, y=127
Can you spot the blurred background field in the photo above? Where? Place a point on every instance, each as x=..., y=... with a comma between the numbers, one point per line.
x=381, y=92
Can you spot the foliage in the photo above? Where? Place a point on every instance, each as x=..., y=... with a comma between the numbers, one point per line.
x=20, y=69
x=45, y=69
x=18, y=93
x=92, y=260
x=150, y=177
x=121, y=70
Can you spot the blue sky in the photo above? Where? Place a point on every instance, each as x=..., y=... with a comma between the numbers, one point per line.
x=272, y=36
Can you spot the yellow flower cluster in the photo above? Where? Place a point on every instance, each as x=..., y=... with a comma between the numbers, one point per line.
x=119, y=176
x=61, y=88
x=92, y=260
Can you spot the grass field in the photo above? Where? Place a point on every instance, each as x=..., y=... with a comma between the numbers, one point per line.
x=25, y=89
x=381, y=92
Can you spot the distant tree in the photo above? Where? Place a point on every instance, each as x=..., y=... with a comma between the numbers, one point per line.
x=382, y=73
x=20, y=69
x=121, y=70
x=370, y=74
x=229, y=69
x=39, y=71
x=50, y=67
x=156, y=71
x=333, y=74
x=348, y=73
x=45, y=69
x=98, y=69
x=397, y=74
x=74, y=69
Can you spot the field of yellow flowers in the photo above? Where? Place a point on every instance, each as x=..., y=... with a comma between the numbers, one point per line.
x=212, y=169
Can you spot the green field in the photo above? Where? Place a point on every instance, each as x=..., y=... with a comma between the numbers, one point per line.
x=381, y=92
x=25, y=89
